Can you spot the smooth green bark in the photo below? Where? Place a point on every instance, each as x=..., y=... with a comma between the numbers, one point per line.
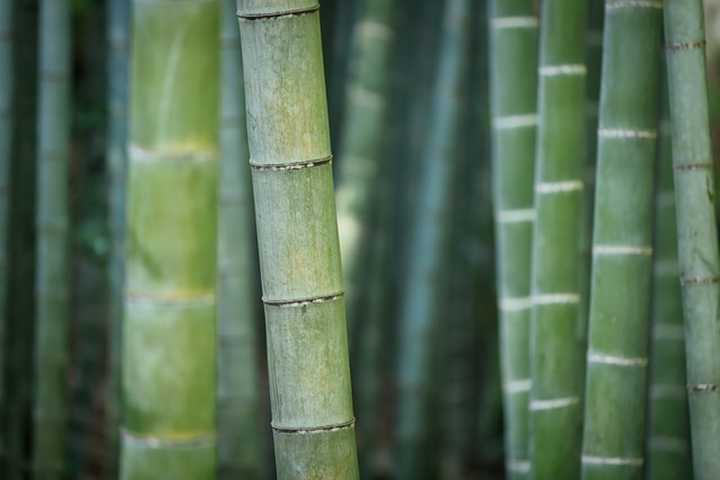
x=169, y=333
x=513, y=34
x=52, y=281
x=556, y=355
x=696, y=226
x=617, y=358
x=288, y=133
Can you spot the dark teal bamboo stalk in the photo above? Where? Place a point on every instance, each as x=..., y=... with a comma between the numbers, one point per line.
x=240, y=442
x=420, y=310
x=513, y=34
x=556, y=354
x=288, y=133
x=668, y=438
x=52, y=284
x=617, y=358
x=696, y=226
x=169, y=332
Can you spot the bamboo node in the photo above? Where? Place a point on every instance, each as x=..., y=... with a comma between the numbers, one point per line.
x=622, y=250
x=552, y=404
x=202, y=440
x=699, y=280
x=605, y=359
x=518, y=466
x=282, y=167
x=674, y=47
x=310, y=430
x=500, y=23
x=618, y=4
x=627, y=134
x=509, y=122
x=556, y=299
x=703, y=388
x=277, y=13
x=301, y=302
x=520, y=215
x=566, y=69
x=613, y=461
x=685, y=167
x=559, y=187
x=515, y=304
x=517, y=386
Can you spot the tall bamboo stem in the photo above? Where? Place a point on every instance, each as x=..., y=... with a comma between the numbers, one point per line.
x=288, y=133
x=513, y=34
x=169, y=326
x=696, y=224
x=556, y=359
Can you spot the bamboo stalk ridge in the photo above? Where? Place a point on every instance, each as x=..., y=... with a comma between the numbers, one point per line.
x=556, y=357
x=169, y=332
x=617, y=355
x=696, y=227
x=52, y=220
x=288, y=133
x=419, y=312
x=668, y=438
x=514, y=40
x=240, y=443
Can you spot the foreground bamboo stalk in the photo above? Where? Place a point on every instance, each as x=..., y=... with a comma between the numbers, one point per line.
x=240, y=443
x=288, y=133
x=617, y=357
x=169, y=333
x=52, y=281
x=668, y=438
x=556, y=360
x=513, y=30
x=696, y=226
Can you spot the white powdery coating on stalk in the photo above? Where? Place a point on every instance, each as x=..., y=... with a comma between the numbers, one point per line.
x=627, y=134
x=595, y=357
x=517, y=386
x=551, y=404
x=622, y=250
x=518, y=466
x=556, y=298
x=515, y=304
x=613, y=461
x=559, y=187
x=618, y=4
x=514, y=22
x=567, y=69
x=516, y=216
x=510, y=122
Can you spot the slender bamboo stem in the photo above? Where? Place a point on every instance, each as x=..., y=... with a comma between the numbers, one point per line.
x=52, y=287
x=420, y=310
x=556, y=358
x=668, y=438
x=240, y=443
x=696, y=223
x=288, y=133
x=513, y=34
x=617, y=358
x=169, y=330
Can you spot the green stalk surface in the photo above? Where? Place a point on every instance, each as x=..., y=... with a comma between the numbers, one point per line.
x=307, y=342
x=617, y=356
x=696, y=226
x=240, y=442
x=513, y=34
x=169, y=332
x=50, y=414
x=556, y=354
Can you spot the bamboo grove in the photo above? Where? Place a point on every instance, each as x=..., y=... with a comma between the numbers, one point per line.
x=359, y=239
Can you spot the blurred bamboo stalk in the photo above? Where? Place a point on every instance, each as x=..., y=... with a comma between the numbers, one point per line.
x=696, y=226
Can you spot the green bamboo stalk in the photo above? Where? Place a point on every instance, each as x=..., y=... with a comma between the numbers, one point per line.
x=513, y=34
x=169, y=332
x=668, y=438
x=617, y=358
x=240, y=443
x=420, y=310
x=288, y=132
x=52, y=287
x=696, y=222
x=118, y=17
x=556, y=358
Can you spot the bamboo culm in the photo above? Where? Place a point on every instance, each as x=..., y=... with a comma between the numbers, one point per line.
x=556, y=354
x=668, y=437
x=290, y=156
x=171, y=242
x=617, y=355
x=420, y=309
x=240, y=439
x=52, y=221
x=696, y=226
x=513, y=34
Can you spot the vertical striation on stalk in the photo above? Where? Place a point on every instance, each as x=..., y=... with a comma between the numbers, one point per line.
x=288, y=133
x=240, y=443
x=169, y=334
x=617, y=355
x=52, y=223
x=513, y=34
x=696, y=227
x=556, y=358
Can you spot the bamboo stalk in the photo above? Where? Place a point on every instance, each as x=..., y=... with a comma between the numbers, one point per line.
x=696, y=223
x=240, y=442
x=668, y=438
x=513, y=34
x=556, y=359
x=310, y=394
x=419, y=314
x=169, y=330
x=52, y=287
x=617, y=358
